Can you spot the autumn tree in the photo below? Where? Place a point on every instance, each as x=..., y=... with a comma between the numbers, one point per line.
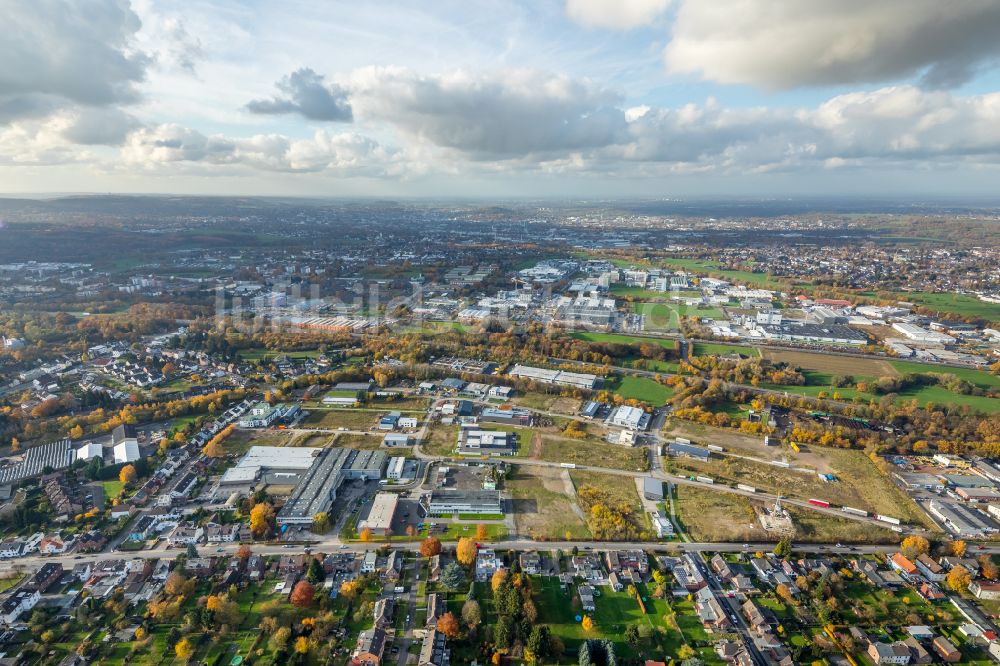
x=958, y=578
x=448, y=625
x=175, y=584
x=261, y=519
x=243, y=552
x=472, y=615
x=430, y=547
x=128, y=474
x=499, y=578
x=349, y=589
x=587, y=623
x=76, y=432
x=957, y=548
x=465, y=551
x=914, y=546
x=184, y=649
x=321, y=523
x=482, y=532
x=366, y=534
x=453, y=576
x=987, y=568
x=302, y=594
x=301, y=645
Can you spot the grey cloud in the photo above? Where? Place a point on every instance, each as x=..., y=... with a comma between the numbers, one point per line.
x=58, y=53
x=99, y=126
x=504, y=115
x=306, y=93
x=776, y=44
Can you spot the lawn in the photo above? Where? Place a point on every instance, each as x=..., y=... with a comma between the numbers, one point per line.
x=262, y=354
x=643, y=389
x=441, y=440
x=953, y=304
x=666, y=316
x=715, y=348
x=112, y=488
x=620, y=339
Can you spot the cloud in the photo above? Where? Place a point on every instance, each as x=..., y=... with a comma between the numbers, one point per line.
x=344, y=152
x=500, y=115
x=58, y=53
x=774, y=44
x=617, y=14
x=305, y=92
x=89, y=126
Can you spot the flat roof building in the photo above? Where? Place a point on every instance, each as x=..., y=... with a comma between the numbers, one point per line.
x=558, y=377
x=687, y=451
x=444, y=502
x=473, y=442
x=631, y=418
x=383, y=509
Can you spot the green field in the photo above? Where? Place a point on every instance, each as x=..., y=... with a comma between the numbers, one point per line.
x=644, y=389
x=954, y=304
x=715, y=348
x=980, y=378
x=667, y=316
x=617, y=338
x=112, y=488
x=262, y=354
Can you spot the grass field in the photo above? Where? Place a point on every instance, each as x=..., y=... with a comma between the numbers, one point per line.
x=360, y=442
x=240, y=441
x=618, y=338
x=667, y=316
x=441, y=440
x=622, y=488
x=980, y=378
x=591, y=452
x=644, y=389
x=955, y=304
x=262, y=354
x=543, y=503
x=716, y=348
x=112, y=488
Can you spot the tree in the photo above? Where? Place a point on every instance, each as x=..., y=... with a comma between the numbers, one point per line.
x=783, y=547
x=987, y=568
x=685, y=652
x=430, y=547
x=127, y=474
x=499, y=578
x=471, y=614
x=958, y=578
x=482, y=532
x=76, y=432
x=453, y=576
x=349, y=589
x=587, y=623
x=15, y=445
x=632, y=635
x=447, y=624
x=914, y=546
x=279, y=639
x=184, y=649
x=321, y=523
x=302, y=594
x=315, y=573
x=366, y=534
x=192, y=550
x=957, y=548
x=540, y=641
x=465, y=551
x=261, y=519
x=785, y=592
x=175, y=584
x=244, y=552
x=503, y=632
x=302, y=645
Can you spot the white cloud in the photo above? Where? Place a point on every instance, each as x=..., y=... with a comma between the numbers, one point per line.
x=777, y=44
x=346, y=152
x=617, y=14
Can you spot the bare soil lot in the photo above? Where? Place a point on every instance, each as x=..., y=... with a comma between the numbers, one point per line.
x=545, y=504
x=832, y=364
x=333, y=418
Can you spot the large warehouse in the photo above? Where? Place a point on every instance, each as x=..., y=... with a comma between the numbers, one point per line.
x=446, y=502
x=379, y=519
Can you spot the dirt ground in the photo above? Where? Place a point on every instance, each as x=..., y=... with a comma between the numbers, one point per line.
x=834, y=365
x=542, y=507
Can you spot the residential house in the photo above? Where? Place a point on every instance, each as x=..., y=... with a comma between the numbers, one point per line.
x=901, y=563
x=487, y=563
x=710, y=611
x=948, y=652
x=17, y=604
x=52, y=545
x=370, y=648
x=918, y=653
x=45, y=577
x=393, y=566
x=434, y=650
x=985, y=590
x=383, y=612
x=586, y=594
x=531, y=563
x=434, y=569
x=368, y=563
x=436, y=607
x=722, y=568
x=930, y=569
x=91, y=542
x=889, y=653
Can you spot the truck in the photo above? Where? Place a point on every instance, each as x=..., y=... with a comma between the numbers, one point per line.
x=704, y=479
x=714, y=447
x=819, y=502
x=568, y=465
x=795, y=447
x=743, y=486
x=856, y=512
x=887, y=519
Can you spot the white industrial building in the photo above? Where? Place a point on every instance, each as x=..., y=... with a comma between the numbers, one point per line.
x=918, y=334
x=127, y=451
x=395, y=469
x=379, y=519
x=630, y=418
x=90, y=450
x=558, y=377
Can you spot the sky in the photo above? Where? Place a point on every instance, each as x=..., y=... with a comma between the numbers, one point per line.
x=501, y=98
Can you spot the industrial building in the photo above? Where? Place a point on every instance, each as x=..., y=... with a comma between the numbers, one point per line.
x=960, y=520
x=126, y=444
x=803, y=332
x=263, y=415
x=473, y=442
x=513, y=416
x=630, y=418
x=557, y=377
x=681, y=450
x=447, y=502
x=918, y=334
x=652, y=489
x=57, y=455
x=379, y=519
x=394, y=470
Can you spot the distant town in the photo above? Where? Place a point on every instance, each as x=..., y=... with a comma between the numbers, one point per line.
x=239, y=430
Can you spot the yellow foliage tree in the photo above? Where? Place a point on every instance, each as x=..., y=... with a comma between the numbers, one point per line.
x=184, y=649
x=261, y=517
x=482, y=532
x=127, y=474
x=587, y=623
x=465, y=551
x=302, y=645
